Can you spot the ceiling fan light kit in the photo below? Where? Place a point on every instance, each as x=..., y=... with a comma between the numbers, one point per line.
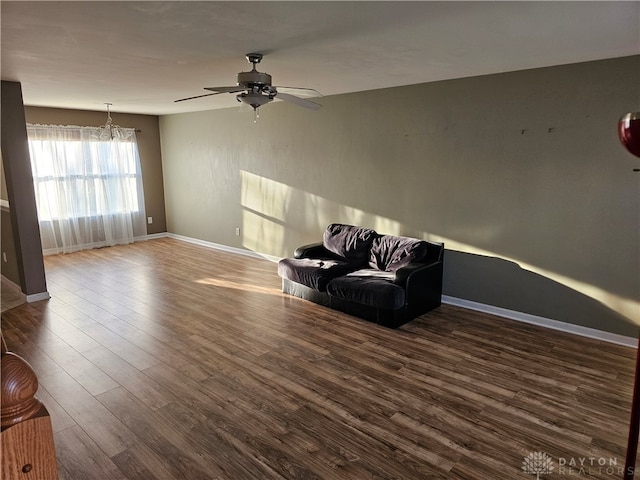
x=254, y=88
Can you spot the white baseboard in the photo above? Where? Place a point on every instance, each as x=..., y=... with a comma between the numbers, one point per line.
x=459, y=302
x=142, y=238
x=542, y=321
x=225, y=248
x=36, y=297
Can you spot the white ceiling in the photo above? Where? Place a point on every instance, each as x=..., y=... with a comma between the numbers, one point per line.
x=141, y=56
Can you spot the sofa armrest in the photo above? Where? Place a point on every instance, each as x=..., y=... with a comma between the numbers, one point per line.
x=421, y=282
x=313, y=250
x=404, y=274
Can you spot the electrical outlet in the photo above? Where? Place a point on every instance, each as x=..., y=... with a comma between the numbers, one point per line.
x=149, y=220
x=238, y=231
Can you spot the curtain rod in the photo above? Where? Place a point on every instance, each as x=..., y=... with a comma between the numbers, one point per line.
x=137, y=130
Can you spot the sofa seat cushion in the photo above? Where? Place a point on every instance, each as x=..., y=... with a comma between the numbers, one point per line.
x=348, y=242
x=368, y=287
x=313, y=272
x=389, y=252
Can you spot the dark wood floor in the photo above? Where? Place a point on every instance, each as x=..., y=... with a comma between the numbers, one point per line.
x=166, y=360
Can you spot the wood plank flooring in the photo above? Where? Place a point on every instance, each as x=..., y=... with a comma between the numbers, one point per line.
x=166, y=360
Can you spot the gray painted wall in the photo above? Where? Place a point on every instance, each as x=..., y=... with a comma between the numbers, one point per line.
x=520, y=174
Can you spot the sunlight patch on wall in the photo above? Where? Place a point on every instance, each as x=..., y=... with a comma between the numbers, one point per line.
x=267, y=204
x=263, y=195
x=262, y=234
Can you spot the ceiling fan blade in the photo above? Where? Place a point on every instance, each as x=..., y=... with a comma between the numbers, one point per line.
x=301, y=102
x=300, y=92
x=197, y=96
x=233, y=89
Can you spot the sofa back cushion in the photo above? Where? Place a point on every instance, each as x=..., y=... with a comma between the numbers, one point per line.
x=389, y=253
x=349, y=242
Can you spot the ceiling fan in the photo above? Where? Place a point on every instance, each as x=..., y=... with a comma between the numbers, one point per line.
x=254, y=88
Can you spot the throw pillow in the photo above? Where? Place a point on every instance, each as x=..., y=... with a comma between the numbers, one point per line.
x=349, y=242
x=389, y=253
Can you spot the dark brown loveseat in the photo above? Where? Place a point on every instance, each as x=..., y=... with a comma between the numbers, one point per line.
x=386, y=279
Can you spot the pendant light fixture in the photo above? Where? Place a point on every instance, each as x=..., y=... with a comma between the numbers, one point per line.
x=109, y=131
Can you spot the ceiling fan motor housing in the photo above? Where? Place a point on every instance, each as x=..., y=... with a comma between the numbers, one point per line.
x=254, y=79
x=257, y=84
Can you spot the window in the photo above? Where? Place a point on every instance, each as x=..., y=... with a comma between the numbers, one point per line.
x=88, y=189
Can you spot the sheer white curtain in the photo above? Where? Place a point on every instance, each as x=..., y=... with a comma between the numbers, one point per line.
x=88, y=186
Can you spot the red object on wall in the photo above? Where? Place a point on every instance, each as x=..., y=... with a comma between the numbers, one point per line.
x=629, y=132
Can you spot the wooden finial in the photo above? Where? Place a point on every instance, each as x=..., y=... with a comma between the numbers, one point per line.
x=18, y=387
